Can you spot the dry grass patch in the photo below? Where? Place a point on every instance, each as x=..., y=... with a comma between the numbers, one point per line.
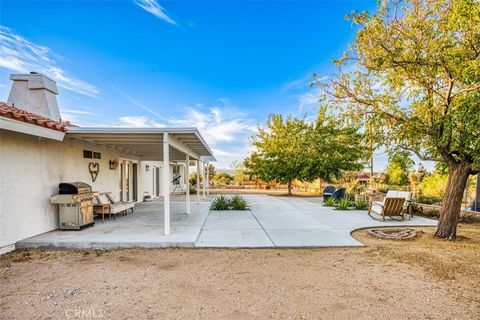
x=417, y=279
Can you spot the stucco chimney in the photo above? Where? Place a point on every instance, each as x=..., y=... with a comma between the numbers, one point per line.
x=35, y=93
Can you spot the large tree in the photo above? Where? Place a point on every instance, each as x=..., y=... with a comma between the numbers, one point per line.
x=414, y=73
x=293, y=149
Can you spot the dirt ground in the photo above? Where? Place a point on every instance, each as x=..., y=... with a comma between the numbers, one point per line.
x=416, y=279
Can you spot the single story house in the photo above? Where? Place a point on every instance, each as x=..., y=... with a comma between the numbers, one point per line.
x=39, y=151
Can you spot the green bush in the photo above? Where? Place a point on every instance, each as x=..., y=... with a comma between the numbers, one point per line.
x=361, y=204
x=344, y=203
x=330, y=202
x=238, y=203
x=432, y=188
x=220, y=203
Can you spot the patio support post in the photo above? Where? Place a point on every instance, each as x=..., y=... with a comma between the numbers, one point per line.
x=208, y=179
x=204, y=180
x=187, y=185
x=166, y=183
x=198, y=180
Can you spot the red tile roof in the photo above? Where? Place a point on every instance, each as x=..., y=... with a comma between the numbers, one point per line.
x=28, y=117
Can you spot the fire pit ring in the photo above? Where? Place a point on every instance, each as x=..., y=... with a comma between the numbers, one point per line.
x=394, y=234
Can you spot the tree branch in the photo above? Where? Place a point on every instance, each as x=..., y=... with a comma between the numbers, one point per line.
x=419, y=155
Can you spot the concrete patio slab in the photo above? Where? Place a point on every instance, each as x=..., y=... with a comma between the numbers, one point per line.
x=232, y=229
x=305, y=222
x=233, y=238
x=218, y=220
x=290, y=222
x=272, y=221
x=144, y=228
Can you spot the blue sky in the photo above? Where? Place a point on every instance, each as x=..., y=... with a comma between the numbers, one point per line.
x=222, y=66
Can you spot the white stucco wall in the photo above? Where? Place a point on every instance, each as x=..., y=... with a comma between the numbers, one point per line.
x=30, y=171
x=147, y=177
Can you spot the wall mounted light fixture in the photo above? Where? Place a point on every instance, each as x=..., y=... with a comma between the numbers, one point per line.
x=113, y=164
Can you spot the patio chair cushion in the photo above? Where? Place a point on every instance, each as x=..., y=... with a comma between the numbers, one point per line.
x=377, y=207
x=113, y=199
x=118, y=207
x=115, y=208
x=103, y=199
x=404, y=194
x=391, y=193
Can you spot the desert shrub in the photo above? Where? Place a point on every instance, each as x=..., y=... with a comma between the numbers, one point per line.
x=220, y=203
x=330, y=202
x=432, y=213
x=350, y=195
x=415, y=207
x=238, y=203
x=361, y=204
x=222, y=178
x=344, y=203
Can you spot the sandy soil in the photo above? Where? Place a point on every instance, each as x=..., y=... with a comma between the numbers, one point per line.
x=418, y=279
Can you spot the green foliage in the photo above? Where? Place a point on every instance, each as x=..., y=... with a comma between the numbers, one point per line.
x=361, y=204
x=238, y=203
x=292, y=149
x=330, y=202
x=398, y=169
x=344, y=203
x=193, y=179
x=222, y=178
x=238, y=172
x=433, y=187
x=235, y=202
x=416, y=78
x=414, y=179
x=220, y=203
x=211, y=172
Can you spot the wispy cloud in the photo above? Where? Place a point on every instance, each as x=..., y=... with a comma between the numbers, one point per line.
x=20, y=55
x=137, y=103
x=154, y=8
x=138, y=122
x=226, y=129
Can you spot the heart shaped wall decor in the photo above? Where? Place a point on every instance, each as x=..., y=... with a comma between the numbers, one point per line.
x=94, y=168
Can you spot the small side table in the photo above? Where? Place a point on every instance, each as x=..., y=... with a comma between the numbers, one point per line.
x=103, y=206
x=408, y=209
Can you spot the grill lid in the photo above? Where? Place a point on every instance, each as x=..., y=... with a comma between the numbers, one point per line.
x=74, y=188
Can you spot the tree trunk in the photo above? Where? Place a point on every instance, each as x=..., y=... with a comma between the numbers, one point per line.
x=452, y=201
x=290, y=187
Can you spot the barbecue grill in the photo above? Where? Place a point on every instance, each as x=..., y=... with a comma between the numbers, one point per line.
x=75, y=200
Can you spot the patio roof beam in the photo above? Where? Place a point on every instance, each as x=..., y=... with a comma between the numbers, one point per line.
x=166, y=184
